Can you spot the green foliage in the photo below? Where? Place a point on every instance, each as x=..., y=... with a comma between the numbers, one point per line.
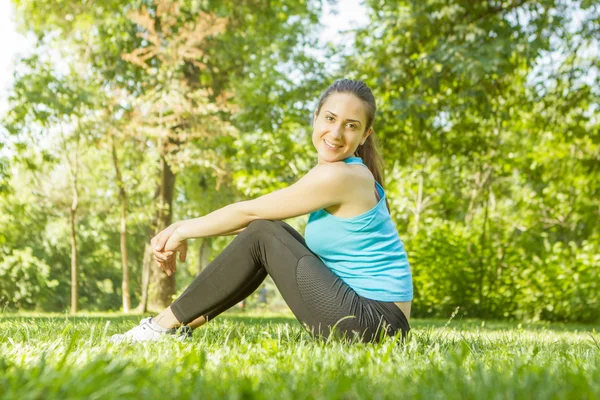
x=493, y=151
x=487, y=116
x=24, y=280
x=564, y=280
x=4, y=175
x=554, y=282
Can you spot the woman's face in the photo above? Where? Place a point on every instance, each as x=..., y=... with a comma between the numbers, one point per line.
x=341, y=123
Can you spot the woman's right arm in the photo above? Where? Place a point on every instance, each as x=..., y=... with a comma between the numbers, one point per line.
x=232, y=232
x=321, y=187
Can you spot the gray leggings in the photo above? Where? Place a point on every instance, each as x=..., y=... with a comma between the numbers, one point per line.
x=318, y=298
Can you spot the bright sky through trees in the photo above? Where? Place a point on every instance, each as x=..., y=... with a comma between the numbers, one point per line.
x=12, y=44
x=335, y=19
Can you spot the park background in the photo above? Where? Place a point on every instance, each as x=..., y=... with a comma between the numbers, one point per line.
x=123, y=117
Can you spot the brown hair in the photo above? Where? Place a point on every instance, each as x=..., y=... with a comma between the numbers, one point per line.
x=369, y=150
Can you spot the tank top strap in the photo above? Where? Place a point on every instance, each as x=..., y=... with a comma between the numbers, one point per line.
x=358, y=160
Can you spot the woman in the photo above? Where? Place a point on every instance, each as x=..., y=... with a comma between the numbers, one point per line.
x=349, y=278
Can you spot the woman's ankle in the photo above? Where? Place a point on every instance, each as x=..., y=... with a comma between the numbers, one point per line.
x=166, y=319
x=197, y=322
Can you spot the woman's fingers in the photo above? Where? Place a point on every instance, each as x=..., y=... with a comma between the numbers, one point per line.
x=154, y=241
x=162, y=238
x=158, y=241
x=163, y=256
x=168, y=265
x=173, y=265
x=160, y=265
x=164, y=266
x=167, y=261
x=183, y=252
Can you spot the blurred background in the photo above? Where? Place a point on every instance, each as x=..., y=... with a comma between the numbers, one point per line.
x=118, y=118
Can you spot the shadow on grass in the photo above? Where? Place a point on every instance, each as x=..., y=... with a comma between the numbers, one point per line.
x=494, y=325
x=258, y=318
x=247, y=319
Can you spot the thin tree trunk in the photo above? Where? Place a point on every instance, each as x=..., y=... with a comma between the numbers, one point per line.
x=123, y=199
x=204, y=253
x=125, y=283
x=482, y=266
x=74, y=295
x=72, y=216
x=161, y=288
x=146, y=265
x=419, y=204
x=481, y=178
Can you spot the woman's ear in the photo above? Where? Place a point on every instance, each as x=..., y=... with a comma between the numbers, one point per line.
x=366, y=135
x=315, y=117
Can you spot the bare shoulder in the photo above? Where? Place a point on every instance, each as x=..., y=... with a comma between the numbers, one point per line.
x=356, y=190
x=344, y=179
x=331, y=171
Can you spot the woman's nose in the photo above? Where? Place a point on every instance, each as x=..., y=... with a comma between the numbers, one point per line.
x=336, y=131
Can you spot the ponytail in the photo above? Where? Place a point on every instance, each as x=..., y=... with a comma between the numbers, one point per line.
x=369, y=152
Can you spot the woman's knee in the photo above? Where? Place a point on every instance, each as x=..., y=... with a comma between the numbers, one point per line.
x=261, y=224
x=282, y=224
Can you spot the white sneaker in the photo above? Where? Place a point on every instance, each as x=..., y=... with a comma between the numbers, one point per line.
x=148, y=330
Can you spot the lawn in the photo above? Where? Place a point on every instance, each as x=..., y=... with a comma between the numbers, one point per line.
x=240, y=356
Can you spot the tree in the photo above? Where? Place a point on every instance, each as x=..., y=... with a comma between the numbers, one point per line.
x=61, y=109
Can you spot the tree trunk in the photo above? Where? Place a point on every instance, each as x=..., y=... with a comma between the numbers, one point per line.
x=146, y=265
x=482, y=264
x=481, y=178
x=124, y=262
x=204, y=253
x=418, y=205
x=72, y=215
x=74, y=295
x=161, y=287
x=125, y=283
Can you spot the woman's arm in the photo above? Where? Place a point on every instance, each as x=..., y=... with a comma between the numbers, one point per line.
x=323, y=186
x=232, y=232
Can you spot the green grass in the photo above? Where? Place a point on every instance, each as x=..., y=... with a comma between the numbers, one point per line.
x=253, y=356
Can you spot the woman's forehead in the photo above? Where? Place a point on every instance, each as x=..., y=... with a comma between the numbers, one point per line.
x=345, y=105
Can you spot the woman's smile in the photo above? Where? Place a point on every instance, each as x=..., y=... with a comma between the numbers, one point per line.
x=331, y=146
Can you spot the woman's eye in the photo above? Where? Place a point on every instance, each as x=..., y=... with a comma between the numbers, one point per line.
x=328, y=117
x=352, y=126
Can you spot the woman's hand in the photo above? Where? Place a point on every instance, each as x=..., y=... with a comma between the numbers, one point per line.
x=165, y=245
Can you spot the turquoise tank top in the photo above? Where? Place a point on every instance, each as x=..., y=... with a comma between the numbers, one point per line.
x=365, y=251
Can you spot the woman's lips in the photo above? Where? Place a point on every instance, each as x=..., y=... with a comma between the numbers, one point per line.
x=330, y=147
